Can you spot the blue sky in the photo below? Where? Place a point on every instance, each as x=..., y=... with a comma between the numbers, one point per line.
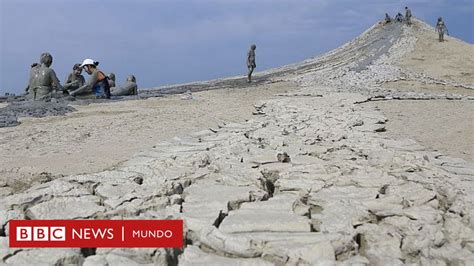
x=176, y=41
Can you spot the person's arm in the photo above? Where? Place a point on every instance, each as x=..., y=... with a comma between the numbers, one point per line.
x=27, y=89
x=68, y=79
x=55, y=81
x=82, y=80
x=68, y=82
x=88, y=86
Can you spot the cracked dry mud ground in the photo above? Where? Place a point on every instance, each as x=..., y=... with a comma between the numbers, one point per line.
x=348, y=194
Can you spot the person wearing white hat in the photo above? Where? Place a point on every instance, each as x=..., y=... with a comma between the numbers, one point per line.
x=97, y=83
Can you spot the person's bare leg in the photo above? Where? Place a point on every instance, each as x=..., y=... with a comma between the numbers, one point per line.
x=249, y=76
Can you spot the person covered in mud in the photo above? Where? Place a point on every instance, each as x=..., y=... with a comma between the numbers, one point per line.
x=74, y=80
x=111, y=77
x=408, y=15
x=388, y=19
x=399, y=17
x=43, y=79
x=251, y=61
x=441, y=28
x=97, y=84
x=129, y=88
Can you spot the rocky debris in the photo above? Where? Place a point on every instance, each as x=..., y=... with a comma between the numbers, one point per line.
x=283, y=157
x=44, y=256
x=66, y=208
x=207, y=204
x=129, y=256
x=273, y=215
x=195, y=256
x=310, y=180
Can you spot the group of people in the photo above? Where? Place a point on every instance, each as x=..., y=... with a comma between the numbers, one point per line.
x=440, y=25
x=43, y=81
x=399, y=17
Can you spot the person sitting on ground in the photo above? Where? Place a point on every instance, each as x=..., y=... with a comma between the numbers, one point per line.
x=399, y=17
x=251, y=61
x=441, y=28
x=408, y=15
x=129, y=88
x=74, y=80
x=111, y=78
x=97, y=84
x=43, y=79
x=388, y=19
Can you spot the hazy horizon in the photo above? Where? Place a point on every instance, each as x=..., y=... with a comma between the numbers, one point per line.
x=171, y=42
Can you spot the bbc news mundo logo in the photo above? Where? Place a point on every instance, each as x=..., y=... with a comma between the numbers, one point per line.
x=40, y=233
x=96, y=233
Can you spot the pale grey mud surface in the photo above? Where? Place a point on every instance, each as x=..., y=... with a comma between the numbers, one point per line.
x=445, y=126
x=347, y=194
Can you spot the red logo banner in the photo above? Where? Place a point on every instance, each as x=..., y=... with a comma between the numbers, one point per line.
x=96, y=233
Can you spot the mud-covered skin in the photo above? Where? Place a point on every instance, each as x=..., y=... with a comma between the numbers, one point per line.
x=74, y=80
x=251, y=65
x=111, y=77
x=87, y=90
x=408, y=16
x=130, y=87
x=43, y=79
x=441, y=29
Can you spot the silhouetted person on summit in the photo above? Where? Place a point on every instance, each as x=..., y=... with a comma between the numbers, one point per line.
x=441, y=28
x=399, y=17
x=251, y=61
x=408, y=15
x=388, y=19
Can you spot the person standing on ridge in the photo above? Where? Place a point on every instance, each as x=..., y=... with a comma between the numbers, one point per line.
x=97, y=84
x=408, y=15
x=388, y=19
x=441, y=28
x=251, y=62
